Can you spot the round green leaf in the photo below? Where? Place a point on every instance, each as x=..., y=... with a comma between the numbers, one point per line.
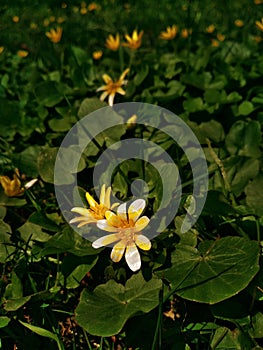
x=215, y=272
x=4, y=320
x=104, y=311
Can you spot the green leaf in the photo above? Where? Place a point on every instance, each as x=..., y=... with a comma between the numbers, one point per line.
x=254, y=195
x=26, y=161
x=244, y=139
x=74, y=279
x=90, y=105
x=15, y=304
x=4, y=320
x=214, y=272
x=193, y=105
x=48, y=93
x=43, y=332
x=257, y=324
x=225, y=339
x=6, y=201
x=245, y=108
x=104, y=311
x=34, y=232
x=5, y=244
x=216, y=204
x=141, y=75
x=43, y=221
x=212, y=130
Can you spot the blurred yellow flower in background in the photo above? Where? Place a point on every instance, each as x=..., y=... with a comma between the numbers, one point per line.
x=258, y=2
x=169, y=33
x=55, y=35
x=112, y=87
x=239, y=23
x=46, y=22
x=2, y=49
x=113, y=43
x=259, y=24
x=211, y=28
x=134, y=41
x=186, y=32
x=221, y=37
x=15, y=19
x=214, y=43
x=97, y=54
x=93, y=6
x=22, y=53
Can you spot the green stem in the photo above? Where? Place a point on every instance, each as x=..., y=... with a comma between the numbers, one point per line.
x=158, y=330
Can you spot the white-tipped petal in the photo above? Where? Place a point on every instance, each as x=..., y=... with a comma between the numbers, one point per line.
x=112, y=219
x=122, y=211
x=103, y=95
x=104, y=241
x=111, y=98
x=142, y=242
x=117, y=251
x=136, y=208
x=107, y=198
x=141, y=223
x=102, y=194
x=30, y=183
x=132, y=257
x=104, y=225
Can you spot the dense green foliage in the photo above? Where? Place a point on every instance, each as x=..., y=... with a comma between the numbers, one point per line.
x=199, y=290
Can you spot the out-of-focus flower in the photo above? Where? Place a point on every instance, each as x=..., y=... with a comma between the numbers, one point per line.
x=22, y=53
x=97, y=54
x=210, y=29
x=169, y=33
x=60, y=20
x=93, y=6
x=83, y=11
x=64, y=5
x=113, y=43
x=131, y=121
x=2, y=49
x=96, y=210
x=258, y=39
x=214, y=43
x=186, y=32
x=134, y=41
x=52, y=18
x=55, y=35
x=239, y=23
x=258, y=2
x=221, y=37
x=46, y=22
x=112, y=87
x=75, y=9
x=15, y=19
x=259, y=24
x=33, y=25
x=184, y=7
x=12, y=188
x=126, y=227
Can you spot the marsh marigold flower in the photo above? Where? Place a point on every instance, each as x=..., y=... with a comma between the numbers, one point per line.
x=210, y=29
x=126, y=227
x=97, y=54
x=112, y=87
x=113, y=43
x=170, y=33
x=186, y=32
x=55, y=35
x=259, y=24
x=96, y=210
x=134, y=41
x=22, y=53
x=15, y=19
x=239, y=23
x=12, y=188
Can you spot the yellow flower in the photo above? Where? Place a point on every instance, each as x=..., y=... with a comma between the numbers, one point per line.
x=1, y=49
x=210, y=29
x=15, y=19
x=22, y=53
x=214, y=43
x=221, y=37
x=55, y=35
x=64, y=5
x=93, y=6
x=60, y=20
x=239, y=23
x=83, y=10
x=134, y=41
x=126, y=230
x=170, y=33
x=12, y=188
x=258, y=2
x=46, y=22
x=259, y=24
x=96, y=211
x=258, y=39
x=52, y=18
x=75, y=9
x=33, y=25
x=112, y=87
x=113, y=43
x=131, y=121
x=97, y=55
x=186, y=32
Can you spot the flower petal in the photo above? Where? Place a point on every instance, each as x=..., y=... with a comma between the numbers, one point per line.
x=112, y=219
x=104, y=225
x=141, y=223
x=111, y=98
x=123, y=75
x=122, y=211
x=132, y=257
x=142, y=242
x=106, y=201
x=91, y=200
x=107, y=79
x=135, y=209
x=104, y=95
x=117, y=251
x=102, y=194
x=81, y=211
x=105, y=240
